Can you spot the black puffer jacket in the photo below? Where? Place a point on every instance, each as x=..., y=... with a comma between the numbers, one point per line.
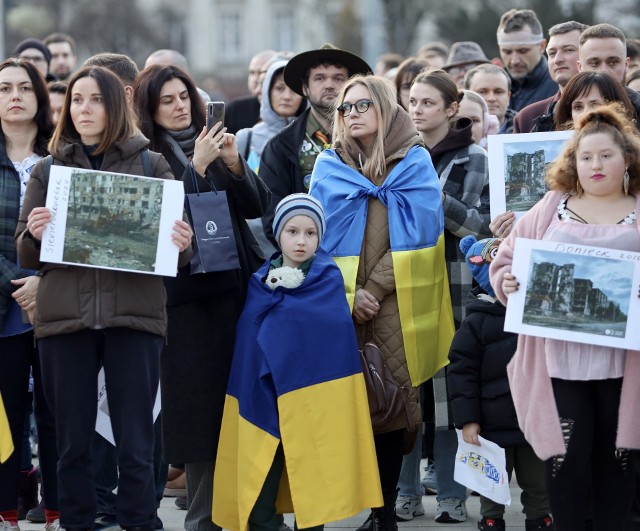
x=477, y=375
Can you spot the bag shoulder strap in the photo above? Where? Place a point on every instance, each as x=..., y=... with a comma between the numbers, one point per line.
x=247, y=149
x=48, y=162
x=146, y=163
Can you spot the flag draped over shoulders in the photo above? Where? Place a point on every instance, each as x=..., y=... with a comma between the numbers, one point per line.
x=6, y=443
x=296, y=380
x=411, y=192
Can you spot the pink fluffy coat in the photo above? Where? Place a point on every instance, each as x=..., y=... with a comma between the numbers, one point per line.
x=528, y=377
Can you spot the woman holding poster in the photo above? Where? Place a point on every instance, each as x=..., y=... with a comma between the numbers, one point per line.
x=576, y=403
x=87, y=317
x=25, y=127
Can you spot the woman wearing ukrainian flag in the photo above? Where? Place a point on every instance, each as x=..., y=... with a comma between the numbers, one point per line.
x=385, y=223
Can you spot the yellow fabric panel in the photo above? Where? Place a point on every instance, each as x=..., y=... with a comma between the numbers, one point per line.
x=245, y=455
x=6, y=443
x=349, y=268
x=424, y=303
x=332, y=472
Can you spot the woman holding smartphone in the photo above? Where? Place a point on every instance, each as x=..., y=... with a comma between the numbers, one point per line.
x=202, y=308
x=87, y=317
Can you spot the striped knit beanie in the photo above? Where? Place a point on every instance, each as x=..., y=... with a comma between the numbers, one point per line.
x=298, y=205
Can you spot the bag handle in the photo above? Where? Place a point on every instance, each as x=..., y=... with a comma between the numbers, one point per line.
x=194, y=180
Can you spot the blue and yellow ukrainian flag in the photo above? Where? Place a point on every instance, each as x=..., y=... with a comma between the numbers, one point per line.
x=412, y=194
x=296, y=380
x=6, y=443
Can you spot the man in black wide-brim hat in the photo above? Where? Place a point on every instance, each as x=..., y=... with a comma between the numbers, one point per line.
x=288, y=158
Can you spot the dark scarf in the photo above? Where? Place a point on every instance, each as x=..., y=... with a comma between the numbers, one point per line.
x=185, y=140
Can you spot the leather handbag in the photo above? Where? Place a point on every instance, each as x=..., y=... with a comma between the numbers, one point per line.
x=387, y=400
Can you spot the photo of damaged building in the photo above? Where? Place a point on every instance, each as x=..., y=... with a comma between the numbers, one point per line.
x=524, y=180
x=554, y=294
x=113, y=220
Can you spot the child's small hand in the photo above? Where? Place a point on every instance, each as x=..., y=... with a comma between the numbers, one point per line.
x=470, y=433
x=509, y=283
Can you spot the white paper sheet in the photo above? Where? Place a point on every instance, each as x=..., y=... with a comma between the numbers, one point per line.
x=112, y=221
x=103, y=420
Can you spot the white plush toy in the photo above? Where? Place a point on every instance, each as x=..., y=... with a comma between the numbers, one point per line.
x=287, y=277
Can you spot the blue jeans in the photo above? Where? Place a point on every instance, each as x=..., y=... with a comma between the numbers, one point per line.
x=409, y=481
x=444, y=453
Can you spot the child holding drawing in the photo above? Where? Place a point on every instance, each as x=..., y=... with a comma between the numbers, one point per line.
x=479, y=391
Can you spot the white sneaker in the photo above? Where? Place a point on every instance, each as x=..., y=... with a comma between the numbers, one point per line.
x=408, y=507
x=53, y=526
x=8, y=526
x=451, y=510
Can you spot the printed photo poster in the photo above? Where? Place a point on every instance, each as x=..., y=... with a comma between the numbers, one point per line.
x=103, y=420
x=517, y=166
x=575, y=293
x=483, y=469
x=112, y=221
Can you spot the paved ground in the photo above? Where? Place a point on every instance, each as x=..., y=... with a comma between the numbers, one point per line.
x=173, y=517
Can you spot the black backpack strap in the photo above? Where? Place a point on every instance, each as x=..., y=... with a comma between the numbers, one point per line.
x=48, y=162
x=146, y=163
x=247, y=149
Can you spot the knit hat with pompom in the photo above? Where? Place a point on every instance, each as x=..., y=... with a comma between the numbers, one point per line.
x=479, y=254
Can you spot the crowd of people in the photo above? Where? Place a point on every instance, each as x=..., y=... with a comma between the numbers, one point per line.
x=358, y=209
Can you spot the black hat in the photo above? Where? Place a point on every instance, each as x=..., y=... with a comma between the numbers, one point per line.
x=33, y=43
x=297, y=67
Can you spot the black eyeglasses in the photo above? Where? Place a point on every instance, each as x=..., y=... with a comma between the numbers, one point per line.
x=360, y=105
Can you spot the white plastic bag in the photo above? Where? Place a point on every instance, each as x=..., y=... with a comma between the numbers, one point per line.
x=483, y=469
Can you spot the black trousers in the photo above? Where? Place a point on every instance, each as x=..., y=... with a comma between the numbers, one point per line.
x=593, y=480
x=17, y=355
x=389, y=453
x=70, y=364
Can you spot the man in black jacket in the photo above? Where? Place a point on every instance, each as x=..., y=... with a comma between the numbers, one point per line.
x=562, y=52
x=245, y=111
x=522, y=45
x=288, y=158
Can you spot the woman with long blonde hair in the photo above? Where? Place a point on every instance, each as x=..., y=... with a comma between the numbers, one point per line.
x=385, y=223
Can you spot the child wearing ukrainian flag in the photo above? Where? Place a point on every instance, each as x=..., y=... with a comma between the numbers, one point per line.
x=296, y=433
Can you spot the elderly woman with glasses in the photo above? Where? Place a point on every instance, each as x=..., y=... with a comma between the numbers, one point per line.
x=385, y=223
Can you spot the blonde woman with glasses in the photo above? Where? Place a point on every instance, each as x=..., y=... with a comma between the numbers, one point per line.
x=385, y=223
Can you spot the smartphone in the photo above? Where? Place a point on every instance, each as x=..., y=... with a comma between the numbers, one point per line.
x=215, y=114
